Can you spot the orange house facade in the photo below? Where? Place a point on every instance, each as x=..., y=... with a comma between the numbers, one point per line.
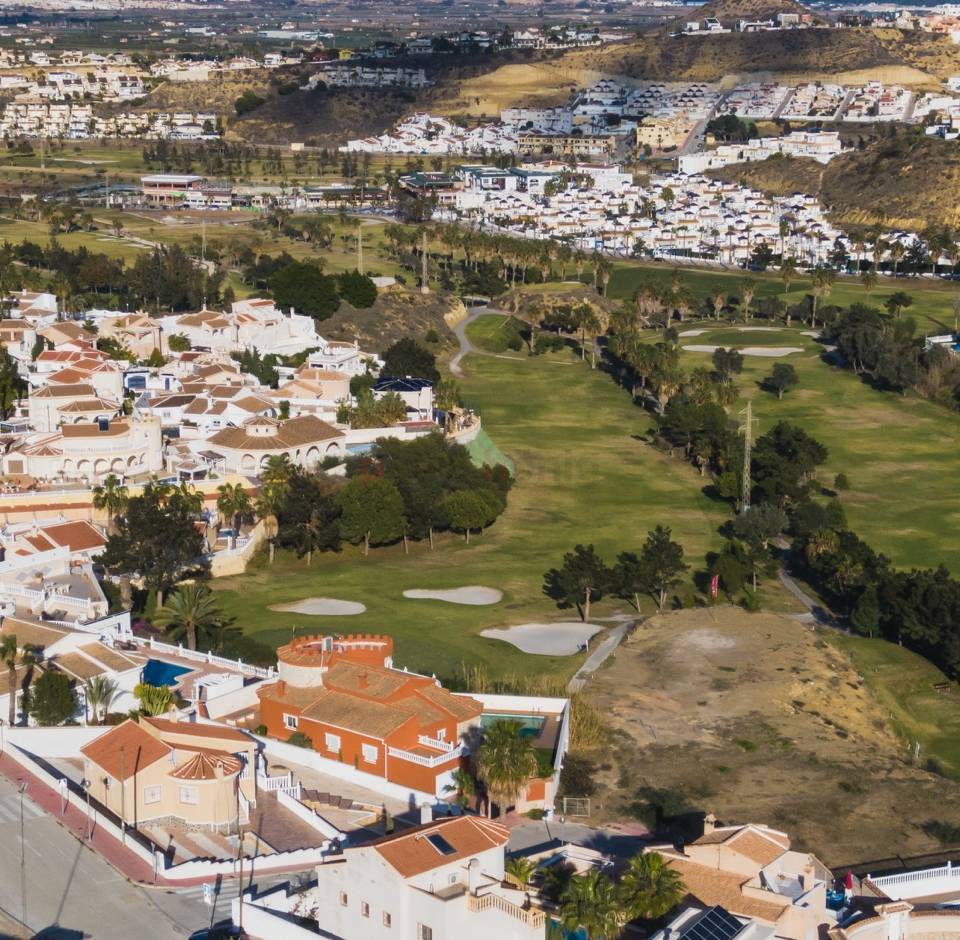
x=344, y=695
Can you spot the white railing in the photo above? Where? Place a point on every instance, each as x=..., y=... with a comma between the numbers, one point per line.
x=244, y=808
x=437, y=744
x=484, y=902
x=68, y=600
x=422, y=760
x=284, y=783
x=911, y=877
x=197, y=656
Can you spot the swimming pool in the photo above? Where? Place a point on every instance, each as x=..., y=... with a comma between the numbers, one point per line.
x=158, y=672
x=530, y=725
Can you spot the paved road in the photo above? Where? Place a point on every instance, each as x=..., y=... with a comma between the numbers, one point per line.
x=67, y=886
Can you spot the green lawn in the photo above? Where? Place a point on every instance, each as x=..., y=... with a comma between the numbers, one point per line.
x=903, y=684
x=932, y=308
x=581, y=476
x=901, y=454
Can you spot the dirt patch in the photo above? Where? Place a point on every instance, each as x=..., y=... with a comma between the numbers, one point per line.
x=755, y=717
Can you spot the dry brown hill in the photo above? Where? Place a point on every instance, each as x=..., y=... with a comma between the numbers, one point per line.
x=904, y=182
x=730, y=11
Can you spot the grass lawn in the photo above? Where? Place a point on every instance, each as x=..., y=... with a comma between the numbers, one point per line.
x=580, y=477
x=901, y=454
x=903, y=683
x=932, y=307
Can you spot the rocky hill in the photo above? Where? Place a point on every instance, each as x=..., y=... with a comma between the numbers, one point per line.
x=905, y=181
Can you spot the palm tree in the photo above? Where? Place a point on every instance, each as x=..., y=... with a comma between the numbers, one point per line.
x=520, y=870
x=278, y=469
x=268, y=508
x=233, y=503
x=9, y=655
x=748, y=290
x=650, y=887
x=112, y=496
x=505, y=762
x=591, y=904
x=869, y=280
x=190, y=611
x=788, y=274
x=99, y=692
x=463, y=787
x=897, y=251
x=822, y=285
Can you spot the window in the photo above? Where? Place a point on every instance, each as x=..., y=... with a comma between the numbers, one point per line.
x=424, y=932
x=332, y=742
x=370, y=754
x=442, y=734
x=291, y=722
x=188, y=795
x=343, y=899
x=151, y=794
x=364, y=908
x=387, y=920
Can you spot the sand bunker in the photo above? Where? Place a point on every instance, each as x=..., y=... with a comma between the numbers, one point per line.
x=768, y=352
x=322, y=607
x=546, y=639
x=475, y=595
x=692, y=332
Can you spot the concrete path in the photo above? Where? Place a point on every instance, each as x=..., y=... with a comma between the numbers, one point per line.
x=599, y=655
x=460, y=331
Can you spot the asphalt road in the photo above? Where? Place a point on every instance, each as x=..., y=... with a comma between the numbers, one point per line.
x=68, y=891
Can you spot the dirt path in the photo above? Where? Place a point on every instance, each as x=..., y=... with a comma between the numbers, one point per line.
x=460, y=331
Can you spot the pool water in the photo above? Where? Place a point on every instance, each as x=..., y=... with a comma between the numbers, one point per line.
x=530, y=725
x=158, y=672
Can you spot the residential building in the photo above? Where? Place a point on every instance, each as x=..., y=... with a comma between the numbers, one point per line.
x=344, y=695
x=172, y=772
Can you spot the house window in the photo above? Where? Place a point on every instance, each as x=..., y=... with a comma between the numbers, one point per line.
x=343, y=898
x=290, y=722
x=442, y=734
x=387, y=920
x=151, y=794
x=424, y=932
x=332, y=742
x=364, y=909
x=370, y=754
x=188, y=795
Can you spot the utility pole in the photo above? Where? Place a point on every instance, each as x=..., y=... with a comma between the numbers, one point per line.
x=424, y=286
x=747, y=451
x=360, y=247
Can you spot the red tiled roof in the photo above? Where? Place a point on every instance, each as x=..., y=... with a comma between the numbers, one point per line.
x=127, y=744
x=410, y=852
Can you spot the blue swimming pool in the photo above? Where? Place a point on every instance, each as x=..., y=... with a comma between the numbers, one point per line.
x=530, y=725
x=157, y=672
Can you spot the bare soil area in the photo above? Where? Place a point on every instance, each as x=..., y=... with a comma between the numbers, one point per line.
x=754, y=717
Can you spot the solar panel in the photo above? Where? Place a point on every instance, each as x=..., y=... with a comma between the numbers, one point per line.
x=441, y=844
x=716, y=924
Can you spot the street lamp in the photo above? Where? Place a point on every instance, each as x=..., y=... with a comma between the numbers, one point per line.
x=85, y=783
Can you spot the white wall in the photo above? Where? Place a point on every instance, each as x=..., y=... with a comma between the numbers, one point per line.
x=51, y=742
x=311, y=818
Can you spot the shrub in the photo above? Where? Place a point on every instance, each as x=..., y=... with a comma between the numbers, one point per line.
x=247, y=102
x=261, y=729
x=548, y=342
x=535, y=813
x=840, y=482
x=299, y=739
x=576, y=777
x=945, y=833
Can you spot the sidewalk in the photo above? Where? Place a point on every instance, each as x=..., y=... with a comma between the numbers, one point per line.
x=105, y=845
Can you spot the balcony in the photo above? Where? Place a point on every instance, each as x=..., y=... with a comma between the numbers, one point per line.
x=535, y=919
x=426, y=760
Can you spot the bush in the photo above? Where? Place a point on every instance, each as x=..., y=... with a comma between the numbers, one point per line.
x=750, y=601
x=261, y=729
x=432, y=336
x=357, y=289
x=287, y=88
x=299, y=739
x=576, y=777
x=840, y=482
x=535, y=813
x=247, y=102
x=945, y=833
x=548, y=342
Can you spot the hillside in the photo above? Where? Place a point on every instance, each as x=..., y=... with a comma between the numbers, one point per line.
x=903, y=182
x=218, y=94
x=733, y=10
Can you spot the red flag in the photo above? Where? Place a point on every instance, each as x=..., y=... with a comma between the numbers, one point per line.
x=714, y=585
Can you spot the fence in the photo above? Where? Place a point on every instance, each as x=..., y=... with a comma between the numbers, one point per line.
x=484, y=902
x=923, y=883
x=236, y=665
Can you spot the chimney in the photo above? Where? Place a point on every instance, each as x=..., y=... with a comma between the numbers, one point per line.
x=709, y=823
x=473, y=875
x=426, y=814
x=362, y=681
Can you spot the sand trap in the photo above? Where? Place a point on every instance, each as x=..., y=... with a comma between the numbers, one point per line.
x=758, y=329
x=475, y=595
x=693, y=332
x=321, y=607
x=546, y=639
x=813, y=333
x=768, y=352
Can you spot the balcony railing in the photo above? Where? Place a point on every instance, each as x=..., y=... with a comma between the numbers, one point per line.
x=422, y=759
x=486, y=902
x=438, y=744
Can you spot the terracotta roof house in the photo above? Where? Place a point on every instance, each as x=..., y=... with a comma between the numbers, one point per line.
x=306, y=440
x=345, y=696
x=443, y=878
x=160, y=770
x=751, y=871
